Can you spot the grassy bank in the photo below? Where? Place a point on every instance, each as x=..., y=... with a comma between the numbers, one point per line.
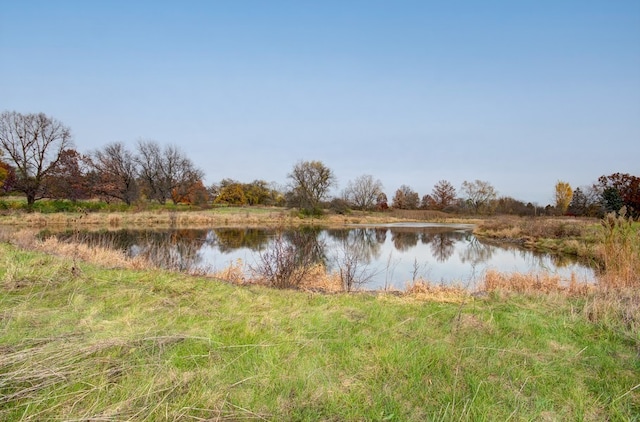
x=81, y=342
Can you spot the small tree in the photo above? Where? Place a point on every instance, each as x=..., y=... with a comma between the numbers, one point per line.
x=628, y=191
x=286, y=263
x=164, y=170
x=406, y=198
x=68, y=178
x=363, y=192
x=34, y=144
x=310, y=184
x=352, y=265
x=115, y=173
x=563, y=196
x=444, y=195
x=579, y=203
x=479, y=195
x=231, y=194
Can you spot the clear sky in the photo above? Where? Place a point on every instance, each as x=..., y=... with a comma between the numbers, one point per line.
x=517, y=93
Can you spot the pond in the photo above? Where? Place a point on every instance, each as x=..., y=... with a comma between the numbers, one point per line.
x=387, y=256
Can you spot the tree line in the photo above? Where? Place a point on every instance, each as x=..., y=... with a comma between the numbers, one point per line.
x=38, y=159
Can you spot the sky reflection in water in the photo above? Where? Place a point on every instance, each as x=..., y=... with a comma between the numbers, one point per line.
x=394, y=254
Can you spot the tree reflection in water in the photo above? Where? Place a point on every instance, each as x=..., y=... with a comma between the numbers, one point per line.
x=476, y=252
x=443, y=249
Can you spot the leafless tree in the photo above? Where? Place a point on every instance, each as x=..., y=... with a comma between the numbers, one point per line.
x=116, y=173
x=363, y=192
x=286, y=262
x=34, y=144
x=163, y=170
x=353, y=259
x=479, y=195
x=310, y=183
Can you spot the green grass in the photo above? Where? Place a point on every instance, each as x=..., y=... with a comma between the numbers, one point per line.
x=109, y=344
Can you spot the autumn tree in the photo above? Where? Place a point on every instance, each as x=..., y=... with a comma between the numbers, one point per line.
x=164, y=170
x=511, y=206
x=405, y=198
x=4, y=173
x=363, y=192
x=9, y=180
x=479, y=195
x=68, y=178
x=621, y=188
x=33, y=143
x=382, y=203
x=194, y=194
x=116, y=173
x=310, y=184
x=231, y=192
x=563, y=196
x=258, y=192
x=428, y=203
x=443, y=194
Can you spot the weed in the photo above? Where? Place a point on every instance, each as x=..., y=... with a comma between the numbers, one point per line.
x=286, y=262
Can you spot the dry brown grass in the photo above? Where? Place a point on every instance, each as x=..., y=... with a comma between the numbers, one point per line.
x=523, y=228
x=103, y=256
x=532, y=283
x=151, y=219
x=619, y=251
x=612, y=305
x=234, y=273
x=423, y=290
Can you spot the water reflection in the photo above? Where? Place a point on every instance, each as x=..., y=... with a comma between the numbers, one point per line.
x=444, y=254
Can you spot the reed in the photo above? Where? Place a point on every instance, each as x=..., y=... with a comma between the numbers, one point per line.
x=619, y=251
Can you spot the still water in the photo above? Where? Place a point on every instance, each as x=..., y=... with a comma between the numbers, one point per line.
x=390, y=256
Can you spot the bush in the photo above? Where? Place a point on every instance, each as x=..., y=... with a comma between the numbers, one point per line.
x=285, y=263
x=339, y=206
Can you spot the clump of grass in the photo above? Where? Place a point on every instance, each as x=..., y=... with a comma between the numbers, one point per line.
x=532, y=283
x=619, y=251
x=233, y=273
x=423, y=290
x=527, y=229
x=614, y=307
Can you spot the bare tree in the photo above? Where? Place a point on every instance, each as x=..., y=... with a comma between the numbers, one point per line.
x=116, y=173
x=363, y=192
x=286, y=263
x=33, y=143
x=479, y=195
x=310, y=183
x=164, y=170
x=353, y=259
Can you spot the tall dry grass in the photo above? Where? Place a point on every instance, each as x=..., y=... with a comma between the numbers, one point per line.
x=533, y=283
x=523, y=229
x=619, y=251
x=101, y=255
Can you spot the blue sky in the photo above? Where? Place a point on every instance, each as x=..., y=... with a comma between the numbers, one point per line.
x=518, y=93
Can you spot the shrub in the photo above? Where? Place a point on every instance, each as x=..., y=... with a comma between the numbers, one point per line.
x=285, y=263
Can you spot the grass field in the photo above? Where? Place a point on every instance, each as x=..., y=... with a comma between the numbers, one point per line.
x=85, y=342
x=88, y=334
